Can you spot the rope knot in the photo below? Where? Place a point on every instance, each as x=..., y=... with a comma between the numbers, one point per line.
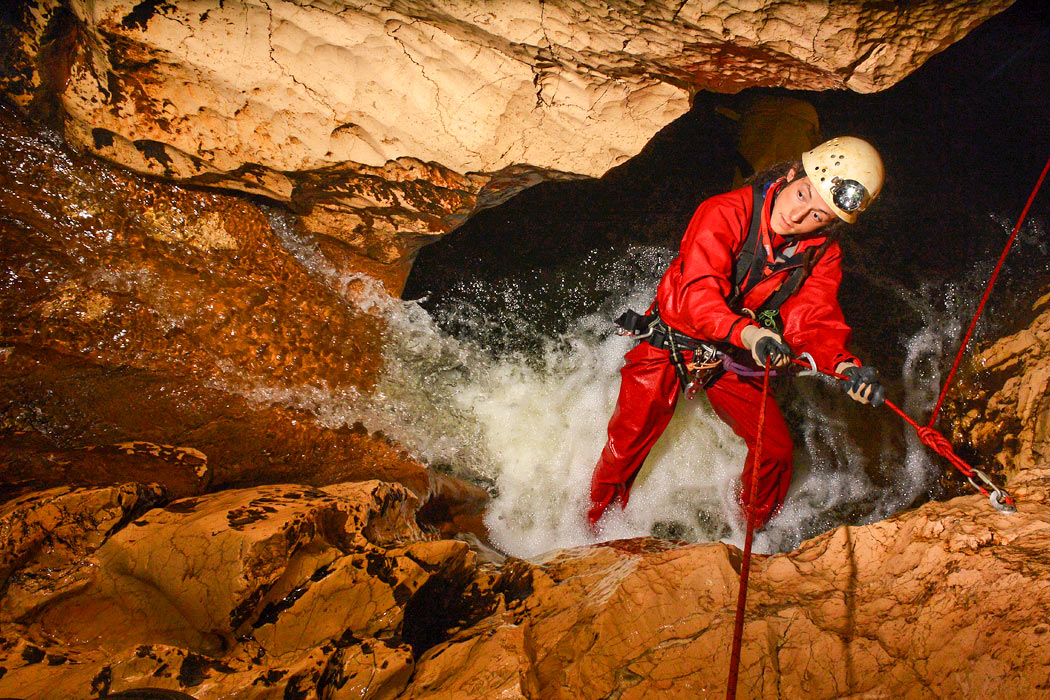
x=939, y=444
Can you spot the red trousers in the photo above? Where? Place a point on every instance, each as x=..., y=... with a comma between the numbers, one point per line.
x=648, y=394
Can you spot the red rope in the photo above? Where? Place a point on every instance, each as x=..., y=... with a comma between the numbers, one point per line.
x=928, y=435
x=987, y=292
x=745, y=565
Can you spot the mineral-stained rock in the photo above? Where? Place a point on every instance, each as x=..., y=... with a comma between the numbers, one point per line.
x=289, y=591
x=268, y=592
x=431, y=97
x=455, y=506
x=135, y=311
x=33, y=463
x=166, y=576
x=1002, y=409
x=46, y=536
x=145, y=274
x=945, y=601
x=66, y=403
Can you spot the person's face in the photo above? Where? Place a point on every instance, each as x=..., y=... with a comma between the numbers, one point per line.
x=799, y=210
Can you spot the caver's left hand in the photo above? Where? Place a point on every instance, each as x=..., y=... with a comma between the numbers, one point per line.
x=862, y=383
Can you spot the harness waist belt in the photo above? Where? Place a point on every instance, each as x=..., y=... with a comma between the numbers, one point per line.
x=652, y=329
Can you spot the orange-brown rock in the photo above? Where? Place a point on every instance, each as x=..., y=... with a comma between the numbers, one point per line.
x=284, y=590
x=32, y=463
x=136, y=312
x=276, y=591
x=149, y=275
x=945, y=601
x=46, y=536
x=454, y=507
x=54, y=408
x=374, y=219
x=1002, y=409
x=576, y=85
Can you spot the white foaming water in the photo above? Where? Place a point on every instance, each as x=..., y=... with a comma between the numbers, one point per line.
x=530, y=426
x=545, y=427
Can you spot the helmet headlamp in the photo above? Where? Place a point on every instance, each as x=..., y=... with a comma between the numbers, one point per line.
x=849, y=195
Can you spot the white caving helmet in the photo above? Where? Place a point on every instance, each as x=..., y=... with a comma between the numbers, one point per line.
x=847, y=173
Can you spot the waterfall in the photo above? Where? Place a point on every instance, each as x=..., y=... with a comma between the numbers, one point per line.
x=518, y=400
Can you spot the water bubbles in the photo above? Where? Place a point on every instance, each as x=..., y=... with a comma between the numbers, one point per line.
x=511, y=384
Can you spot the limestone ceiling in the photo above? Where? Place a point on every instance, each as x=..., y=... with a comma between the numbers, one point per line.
x=569, y=85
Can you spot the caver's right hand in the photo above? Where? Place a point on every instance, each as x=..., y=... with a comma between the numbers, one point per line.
x=764, y=343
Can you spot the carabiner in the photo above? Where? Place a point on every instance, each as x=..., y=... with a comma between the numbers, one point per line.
x=999, y=497
x=812, y=371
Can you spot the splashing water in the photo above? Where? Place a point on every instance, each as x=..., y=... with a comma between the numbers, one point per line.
x=542, y=417
x=530, y=424
x=519, y=398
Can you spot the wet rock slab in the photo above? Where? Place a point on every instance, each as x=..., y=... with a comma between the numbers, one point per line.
x=46, y=536
x=137, y=312
x=292, y=591
x=262, y=591
x=32, y=463
x=65, y=418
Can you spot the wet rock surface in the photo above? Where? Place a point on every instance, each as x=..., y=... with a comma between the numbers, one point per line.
x=278, y=591
x=162, y=335
x=158, y=343
x=57, y=409
x=47, y=535
x=1001, y=410
x=32, y=463
x=296, y=591
x=120, y=269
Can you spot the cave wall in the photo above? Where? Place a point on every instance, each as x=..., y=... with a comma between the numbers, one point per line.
x=381, y=124
x=296, y=592
x=1001, y=407
x=126, y=301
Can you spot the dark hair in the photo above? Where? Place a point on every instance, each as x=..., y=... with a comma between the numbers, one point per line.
x=777, y=171
x=832, y=230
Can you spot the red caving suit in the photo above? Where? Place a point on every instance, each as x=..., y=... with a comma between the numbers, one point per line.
x=692, y=299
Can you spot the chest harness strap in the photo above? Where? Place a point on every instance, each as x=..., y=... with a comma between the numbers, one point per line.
x=748, y=268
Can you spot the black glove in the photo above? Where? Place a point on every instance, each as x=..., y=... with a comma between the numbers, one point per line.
x=862, y=384
x=772, y=349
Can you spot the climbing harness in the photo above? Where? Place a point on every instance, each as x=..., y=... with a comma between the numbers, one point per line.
x=929, y=436
x=711, y=360
x=752, y=262
x=693, y=375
